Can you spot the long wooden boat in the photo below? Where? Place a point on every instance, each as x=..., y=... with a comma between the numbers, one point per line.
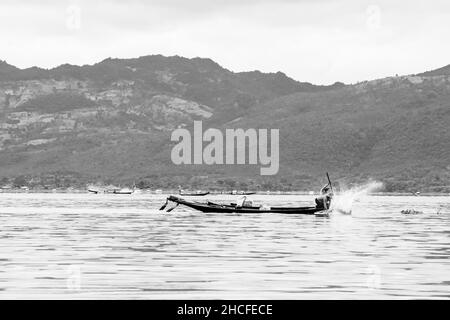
x=323, y=203
x=123, y=191
x=233, y=208
x=241, y=193
x=193, y=194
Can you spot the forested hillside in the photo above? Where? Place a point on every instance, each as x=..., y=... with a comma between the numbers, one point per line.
x=111, y=123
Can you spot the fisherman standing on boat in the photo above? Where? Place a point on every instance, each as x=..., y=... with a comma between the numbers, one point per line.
x=324, y=200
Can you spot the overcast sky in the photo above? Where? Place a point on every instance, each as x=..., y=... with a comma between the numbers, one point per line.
x=320, y=41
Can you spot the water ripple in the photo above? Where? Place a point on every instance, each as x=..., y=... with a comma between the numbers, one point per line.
x=113, y=246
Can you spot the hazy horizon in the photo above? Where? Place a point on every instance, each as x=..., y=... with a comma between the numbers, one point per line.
x=321, y=42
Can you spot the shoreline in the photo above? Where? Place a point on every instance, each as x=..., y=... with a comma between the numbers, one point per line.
x=214, y=193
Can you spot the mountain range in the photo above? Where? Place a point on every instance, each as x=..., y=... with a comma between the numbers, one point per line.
x=111, y=122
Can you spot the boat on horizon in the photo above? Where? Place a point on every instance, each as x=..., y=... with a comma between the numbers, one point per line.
x=123, y=191
x=241, y=193
x=110, y=189
x=95, y=190
x=197, y=193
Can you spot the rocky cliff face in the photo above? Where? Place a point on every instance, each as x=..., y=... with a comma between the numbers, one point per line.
x=61, y=106
x=141, y=95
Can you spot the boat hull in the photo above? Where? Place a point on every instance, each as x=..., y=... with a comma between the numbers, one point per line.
x=219, y=208
x=200, y=194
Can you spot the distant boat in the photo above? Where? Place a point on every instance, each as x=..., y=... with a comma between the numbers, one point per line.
x=241, y=193
x=110, y=189
x=95, y=190
x=198, y=194
x=191, y=194
x=123, y=191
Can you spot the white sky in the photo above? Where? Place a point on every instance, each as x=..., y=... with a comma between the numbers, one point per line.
x=320, y=41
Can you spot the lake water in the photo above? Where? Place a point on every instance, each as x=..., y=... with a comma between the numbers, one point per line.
x=87, y=246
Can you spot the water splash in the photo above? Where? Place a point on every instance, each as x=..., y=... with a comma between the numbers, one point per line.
x=343, y=201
